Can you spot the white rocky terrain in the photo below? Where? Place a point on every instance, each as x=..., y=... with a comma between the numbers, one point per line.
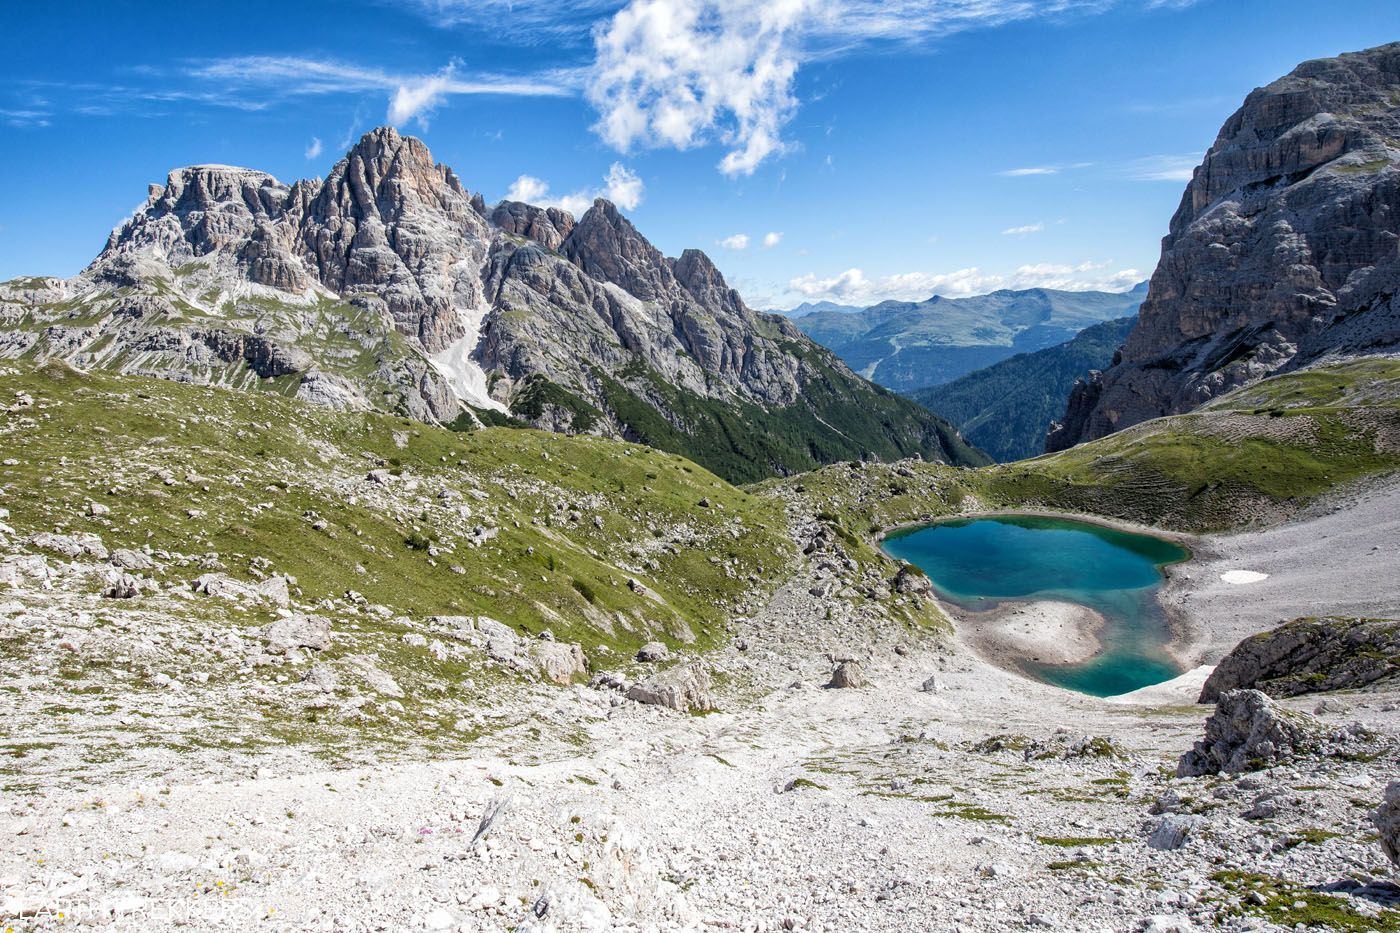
x=939, y=793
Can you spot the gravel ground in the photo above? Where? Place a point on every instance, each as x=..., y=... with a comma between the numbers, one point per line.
x=1341, y=557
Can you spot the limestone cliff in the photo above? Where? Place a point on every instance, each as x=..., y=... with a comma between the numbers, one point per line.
x=1285, y=249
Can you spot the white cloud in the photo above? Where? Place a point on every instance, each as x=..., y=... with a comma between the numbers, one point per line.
x=737, y=241
x=314, y=150
x=686, y=73
x=772, y=239
x=1032, y=170
x=854, y=287
x=418, y=98
x=681, y=73
x=1022, y=231
x=1175, y=168
x=22, y=118
x=621, y=185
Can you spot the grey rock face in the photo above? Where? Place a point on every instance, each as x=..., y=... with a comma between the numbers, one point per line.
x=1310, y=656
x=1248, y=732
x=1284, y=249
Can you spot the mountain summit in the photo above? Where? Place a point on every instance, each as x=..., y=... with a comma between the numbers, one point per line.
x=1283, y=251
x=390, y=286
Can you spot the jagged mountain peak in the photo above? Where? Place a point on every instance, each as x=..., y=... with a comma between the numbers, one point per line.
x=605, y=245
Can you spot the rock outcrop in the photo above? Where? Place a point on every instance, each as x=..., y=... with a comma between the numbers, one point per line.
x=685, y=689
x=1309, y=656
x=1248, y=732
x=1283, y=251
x=390, y=286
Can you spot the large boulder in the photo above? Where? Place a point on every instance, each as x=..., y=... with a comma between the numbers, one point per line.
x=83, y=544
x=1387, y=820
x=559, y=661
x=1248, y=732
x=297, y=631
x=272, y=590
x=684, y=689
x=1172, y=831
x=848, y=675
x=1309, y=656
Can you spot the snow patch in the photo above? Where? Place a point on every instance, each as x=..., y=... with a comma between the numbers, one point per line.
x=1243, y=576
x=467, y=379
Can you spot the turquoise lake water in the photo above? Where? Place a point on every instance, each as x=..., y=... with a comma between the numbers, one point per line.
x=981, y=562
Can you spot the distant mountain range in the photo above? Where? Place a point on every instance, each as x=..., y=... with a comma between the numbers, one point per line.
x=1006, y=409
x=816, y=307
x=389, y=286
x=912, y=345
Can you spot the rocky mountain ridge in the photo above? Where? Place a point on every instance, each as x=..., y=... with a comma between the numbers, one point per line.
x=389, y=286
x=1282, y=252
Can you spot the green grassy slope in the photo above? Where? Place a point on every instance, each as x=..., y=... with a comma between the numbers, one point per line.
x=195, y=470
x=838, y=418
x=1251, y=457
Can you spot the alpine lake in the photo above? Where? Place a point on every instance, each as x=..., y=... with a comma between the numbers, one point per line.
x=978, y=564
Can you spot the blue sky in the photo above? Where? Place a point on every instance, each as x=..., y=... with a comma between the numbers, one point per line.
x=850, y=150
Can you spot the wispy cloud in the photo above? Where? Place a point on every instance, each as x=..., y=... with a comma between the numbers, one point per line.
x=854, y=287
x=1173, y=168
x=772, y=239
x=1024, y=230
x=23, y=117
x=621, y=185
x=1031, y=170
x=259, y=82
x=737, y=241
x=412, y=97
x=529, y=21
x=314, y=150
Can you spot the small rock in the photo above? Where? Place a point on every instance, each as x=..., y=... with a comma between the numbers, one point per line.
x=652, y=652
x=847, y=675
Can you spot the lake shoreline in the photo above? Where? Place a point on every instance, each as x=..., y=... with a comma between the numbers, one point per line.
x=1019, y=633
